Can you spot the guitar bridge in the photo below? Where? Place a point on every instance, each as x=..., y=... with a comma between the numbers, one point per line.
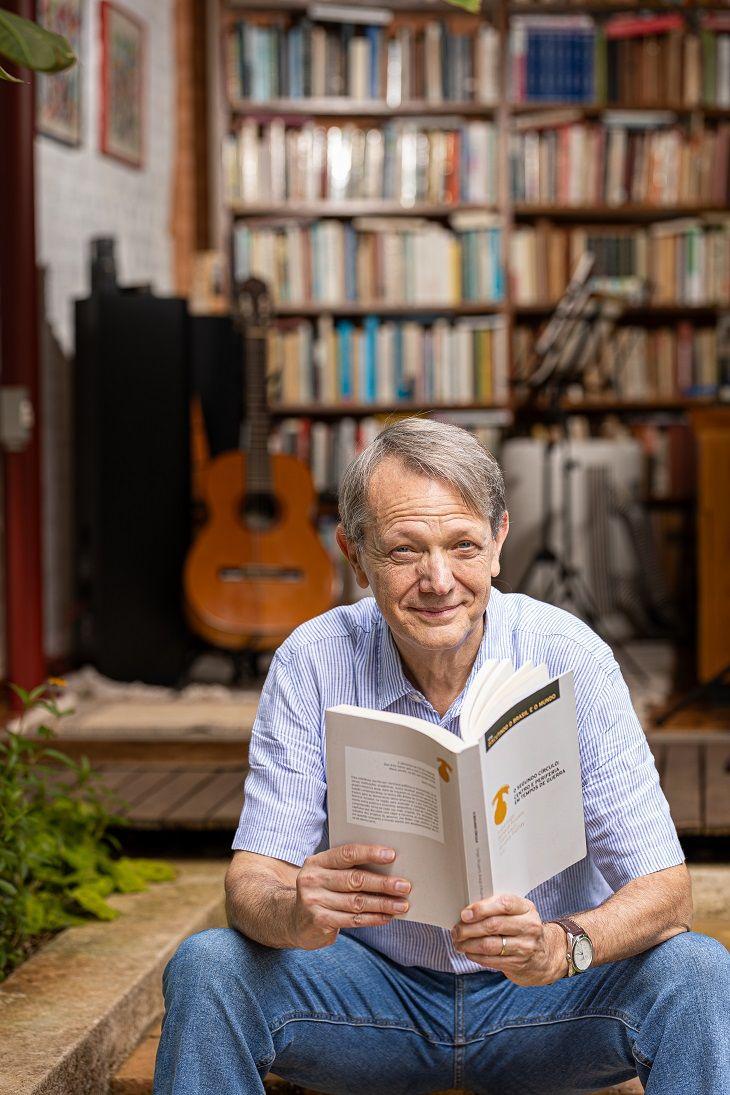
x=259, y=572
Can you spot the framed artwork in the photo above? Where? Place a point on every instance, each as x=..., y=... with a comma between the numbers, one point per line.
x=122, y=84
x=58, y=95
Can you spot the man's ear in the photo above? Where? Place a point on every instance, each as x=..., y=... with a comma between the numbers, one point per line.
x=351, y=553
x=499, y=539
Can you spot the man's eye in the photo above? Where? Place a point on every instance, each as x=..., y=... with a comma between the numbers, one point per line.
x=402, y=549
x=465, y=544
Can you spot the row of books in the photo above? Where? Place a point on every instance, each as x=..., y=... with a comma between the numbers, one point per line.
x=643, y=159
x=329, y=447
x=637, y=59
x=669, y=449
x=387, y=362
x=401, y=161
x=641, y=364
x=682, y=261
x=326, y=447
x=371, y=259
x=553, y=58
x=660, y=58
x=435, y=60
x=715, y=61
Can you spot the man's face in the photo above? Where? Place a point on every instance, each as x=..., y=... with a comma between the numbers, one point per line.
x=429, y=560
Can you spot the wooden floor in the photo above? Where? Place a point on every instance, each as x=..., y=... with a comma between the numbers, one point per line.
x=181, y=786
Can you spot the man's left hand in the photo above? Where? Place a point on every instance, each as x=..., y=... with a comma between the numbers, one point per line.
x=533, y=953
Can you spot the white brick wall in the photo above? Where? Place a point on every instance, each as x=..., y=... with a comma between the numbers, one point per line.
x=80, y=193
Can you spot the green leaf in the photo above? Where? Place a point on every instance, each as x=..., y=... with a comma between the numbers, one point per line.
x=127, y=879
x=470, y=5
x=5, y=75
x=89, y=898
x=62, y=758
x=8, y=888
x=154, y=870
x=27, y=44
x=19, y=692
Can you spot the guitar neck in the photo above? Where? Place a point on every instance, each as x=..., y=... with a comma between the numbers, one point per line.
x=259, y=478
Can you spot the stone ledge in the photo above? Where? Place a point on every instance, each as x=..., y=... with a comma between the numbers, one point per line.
x=75, y=1011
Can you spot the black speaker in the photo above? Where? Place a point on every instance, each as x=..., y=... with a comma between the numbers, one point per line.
x=132, y=480
x=217, y=352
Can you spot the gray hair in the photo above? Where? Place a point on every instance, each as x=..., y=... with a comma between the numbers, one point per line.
x=434, y=449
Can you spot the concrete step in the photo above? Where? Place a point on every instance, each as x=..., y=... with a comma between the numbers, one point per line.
x=74, y=1012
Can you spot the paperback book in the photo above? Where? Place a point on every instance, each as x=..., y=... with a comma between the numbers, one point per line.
x=498, y=810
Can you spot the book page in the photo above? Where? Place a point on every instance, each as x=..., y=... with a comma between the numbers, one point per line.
x=392, y=793
x=531, y=774
x=390, y=784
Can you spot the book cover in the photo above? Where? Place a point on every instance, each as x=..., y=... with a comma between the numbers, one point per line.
x=497, y=810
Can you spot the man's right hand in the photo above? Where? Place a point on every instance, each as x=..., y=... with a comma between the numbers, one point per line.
x=335, y=890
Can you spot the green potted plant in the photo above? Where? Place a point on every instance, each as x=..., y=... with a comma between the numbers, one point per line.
x=58, y=860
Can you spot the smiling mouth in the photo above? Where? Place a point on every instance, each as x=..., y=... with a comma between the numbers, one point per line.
x=435, y=612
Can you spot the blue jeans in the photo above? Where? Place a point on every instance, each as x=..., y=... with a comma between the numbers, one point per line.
x=347, y=1020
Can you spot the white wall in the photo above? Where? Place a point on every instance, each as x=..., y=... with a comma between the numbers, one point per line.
x=80, y=193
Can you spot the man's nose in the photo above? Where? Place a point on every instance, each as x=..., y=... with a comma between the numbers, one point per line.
x=436, y=576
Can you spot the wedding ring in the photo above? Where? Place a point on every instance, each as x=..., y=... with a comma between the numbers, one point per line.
x=504, y=946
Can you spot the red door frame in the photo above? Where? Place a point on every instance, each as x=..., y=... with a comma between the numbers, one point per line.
x=19, y=365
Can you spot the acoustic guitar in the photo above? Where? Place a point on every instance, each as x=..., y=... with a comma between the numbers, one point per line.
x=257, y=568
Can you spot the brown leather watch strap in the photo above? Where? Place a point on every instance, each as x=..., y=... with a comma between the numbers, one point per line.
x=569, y=925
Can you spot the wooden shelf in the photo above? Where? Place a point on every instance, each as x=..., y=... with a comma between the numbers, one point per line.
x=342, y=106
x=523, y=210
x=613, y=213
x=488, y=307
x=598, y=7
x=677, y=404
x=631, y=311
x=382, y=308
x=352, y=208
x=507, y=117
x=422, y=7
x=597, y=109
x=364, y=410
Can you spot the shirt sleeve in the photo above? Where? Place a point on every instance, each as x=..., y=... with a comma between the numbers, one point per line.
x=283, y=812
x=629, y=829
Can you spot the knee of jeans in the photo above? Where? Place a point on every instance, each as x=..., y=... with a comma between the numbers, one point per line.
x=215, y=953
x=694, y=962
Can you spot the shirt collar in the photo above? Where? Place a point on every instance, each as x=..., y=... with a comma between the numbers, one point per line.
x=392, y=681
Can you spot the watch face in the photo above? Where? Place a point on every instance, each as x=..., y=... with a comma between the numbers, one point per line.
x=582, y=953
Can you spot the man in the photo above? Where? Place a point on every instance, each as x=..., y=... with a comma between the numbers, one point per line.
x=320, y=980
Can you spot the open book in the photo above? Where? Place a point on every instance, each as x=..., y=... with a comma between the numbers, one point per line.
x=498, y=810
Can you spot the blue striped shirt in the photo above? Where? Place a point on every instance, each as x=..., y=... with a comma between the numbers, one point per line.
x=348, y=656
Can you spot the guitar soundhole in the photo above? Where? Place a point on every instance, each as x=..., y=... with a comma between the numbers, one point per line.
x=260, y=511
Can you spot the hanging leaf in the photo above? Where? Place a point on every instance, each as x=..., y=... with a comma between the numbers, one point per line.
x=4, y=75
x=32, y=46
x=470, y=5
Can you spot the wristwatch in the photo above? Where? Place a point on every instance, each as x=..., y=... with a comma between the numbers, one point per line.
x=579, y=955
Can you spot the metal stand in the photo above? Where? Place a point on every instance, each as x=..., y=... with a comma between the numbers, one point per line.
x=564, y=351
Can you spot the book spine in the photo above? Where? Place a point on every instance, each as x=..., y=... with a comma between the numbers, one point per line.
x=473, y=794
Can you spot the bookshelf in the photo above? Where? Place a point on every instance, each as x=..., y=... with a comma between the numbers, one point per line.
x=435, y=113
